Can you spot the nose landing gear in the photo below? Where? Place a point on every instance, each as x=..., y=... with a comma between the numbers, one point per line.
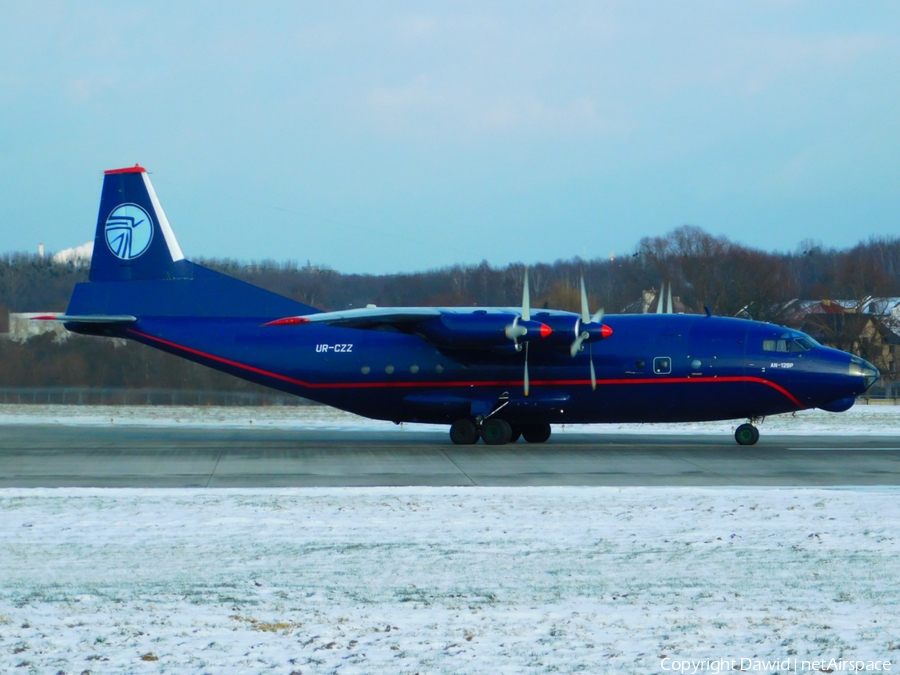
x=746, y=434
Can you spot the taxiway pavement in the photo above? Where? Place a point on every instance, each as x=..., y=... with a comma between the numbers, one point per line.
x=71, y=456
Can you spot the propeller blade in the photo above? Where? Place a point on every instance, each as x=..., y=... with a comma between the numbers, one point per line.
x=526, y=299
x=585, y=312
x=525, y=382
x=514, y=331
x=593, y=372
x=670, y=307
x=578, y=342
x=597, y=317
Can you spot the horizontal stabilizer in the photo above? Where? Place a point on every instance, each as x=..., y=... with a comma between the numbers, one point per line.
x=92, y=318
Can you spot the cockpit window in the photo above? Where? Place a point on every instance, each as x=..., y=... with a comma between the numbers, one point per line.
x=779, y=345
x=803, y=343
x=811, y=340
x=789, y=342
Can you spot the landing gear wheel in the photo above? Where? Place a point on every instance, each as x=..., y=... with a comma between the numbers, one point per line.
x=496, y=432
x=463, y=432
x=746, y=434
x=536, y=433
x=516, y=434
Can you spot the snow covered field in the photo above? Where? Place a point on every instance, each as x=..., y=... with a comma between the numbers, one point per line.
x=443, y=580
x=859, y=420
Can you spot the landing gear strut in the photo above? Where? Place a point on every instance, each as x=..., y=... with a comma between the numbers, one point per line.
x=746, y=434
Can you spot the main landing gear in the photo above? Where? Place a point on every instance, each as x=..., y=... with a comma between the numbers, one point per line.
x=496, y=431
x=746, y=434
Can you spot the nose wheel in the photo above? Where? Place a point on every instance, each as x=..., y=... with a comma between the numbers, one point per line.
x=746, y=434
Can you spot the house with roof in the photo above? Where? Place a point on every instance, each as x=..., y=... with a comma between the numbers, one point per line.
x=869, y=327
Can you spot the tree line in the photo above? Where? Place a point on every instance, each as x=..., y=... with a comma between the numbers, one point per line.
x=705, y=271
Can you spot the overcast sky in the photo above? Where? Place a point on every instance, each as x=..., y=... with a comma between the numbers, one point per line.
x=382, y=137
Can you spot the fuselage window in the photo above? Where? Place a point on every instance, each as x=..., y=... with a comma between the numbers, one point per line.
x=662, y=365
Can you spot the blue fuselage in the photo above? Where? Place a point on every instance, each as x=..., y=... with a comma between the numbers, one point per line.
x=654, y=368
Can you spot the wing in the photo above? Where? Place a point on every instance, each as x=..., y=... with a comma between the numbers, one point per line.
x=369, y=317
x=446, y=328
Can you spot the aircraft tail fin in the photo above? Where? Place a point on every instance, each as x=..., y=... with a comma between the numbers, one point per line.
x=138, y=269
x=133, y=239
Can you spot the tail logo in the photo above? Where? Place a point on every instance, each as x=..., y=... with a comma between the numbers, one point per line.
x=129, y=231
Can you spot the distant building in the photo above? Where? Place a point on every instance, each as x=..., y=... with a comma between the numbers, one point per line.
x=78, y=256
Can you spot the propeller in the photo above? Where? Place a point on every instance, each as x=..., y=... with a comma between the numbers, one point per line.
x=525, y=376
x=526, y=316
x=585, y=320
x=516, y=331
x=523, y=330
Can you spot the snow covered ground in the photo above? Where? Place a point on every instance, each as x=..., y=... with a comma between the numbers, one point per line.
x=860, y=420
x=444, y=580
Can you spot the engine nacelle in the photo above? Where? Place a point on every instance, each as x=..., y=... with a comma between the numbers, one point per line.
x=566, y=329
x=482, y=330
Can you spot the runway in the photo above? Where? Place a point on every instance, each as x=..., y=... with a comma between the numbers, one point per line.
x=72, y=456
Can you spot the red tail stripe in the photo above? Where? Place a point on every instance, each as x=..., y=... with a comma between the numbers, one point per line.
x=130, y=169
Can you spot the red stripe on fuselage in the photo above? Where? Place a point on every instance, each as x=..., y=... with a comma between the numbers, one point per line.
x=470, y=383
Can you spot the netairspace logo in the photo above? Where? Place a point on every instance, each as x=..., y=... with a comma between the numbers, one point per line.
x=129, y=231
x=795, y=665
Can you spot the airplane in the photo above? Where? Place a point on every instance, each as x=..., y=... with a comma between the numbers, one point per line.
x=493, y=374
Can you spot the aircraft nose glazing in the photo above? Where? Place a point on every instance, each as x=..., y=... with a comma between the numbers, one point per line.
x=862, y=368
x=871, y=373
